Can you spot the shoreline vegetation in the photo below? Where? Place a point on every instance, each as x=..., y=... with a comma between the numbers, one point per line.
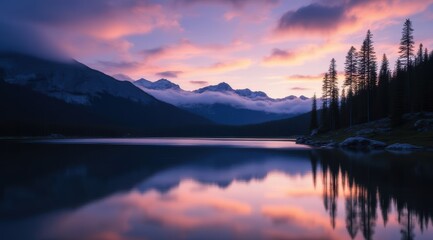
x=415, y=134
x=392, y=106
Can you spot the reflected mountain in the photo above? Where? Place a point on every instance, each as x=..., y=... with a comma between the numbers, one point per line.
x=98, y=191
x=71, y=175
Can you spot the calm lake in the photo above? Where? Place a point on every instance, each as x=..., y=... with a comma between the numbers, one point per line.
x=210, y=189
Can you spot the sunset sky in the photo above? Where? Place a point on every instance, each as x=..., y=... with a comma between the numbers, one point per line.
x=280, y=47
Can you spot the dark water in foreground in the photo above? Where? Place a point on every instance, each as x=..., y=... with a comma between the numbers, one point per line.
x=210, y=189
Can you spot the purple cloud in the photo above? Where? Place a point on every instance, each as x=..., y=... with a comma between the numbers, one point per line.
x=52, y=27
x=314, y=17
x=169, y=74
x=199, y=82
x=299, y=89
x=234, y=3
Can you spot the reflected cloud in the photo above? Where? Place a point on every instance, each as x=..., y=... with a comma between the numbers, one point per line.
x=230, y=193
x=295, y=216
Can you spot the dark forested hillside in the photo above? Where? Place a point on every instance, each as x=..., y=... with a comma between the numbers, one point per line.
x=372, y=91
x=25, y=112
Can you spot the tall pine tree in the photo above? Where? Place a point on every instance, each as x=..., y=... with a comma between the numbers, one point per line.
x=406, y=51
x=367, y=70
x=406, y=45
x=325, y=104
x=419, y=55
x=313, y=123
x=350, y=72
x=383, y=88
x=333, y=94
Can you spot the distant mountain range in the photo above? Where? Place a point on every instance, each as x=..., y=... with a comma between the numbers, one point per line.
x=225, y=105
x=40, y=97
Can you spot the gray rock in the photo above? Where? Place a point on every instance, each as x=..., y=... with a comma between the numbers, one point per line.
x=330, y=145
x=365, y=131
x=314, y=132
x=403, y=147
x=302, y=140
x=424, y=124
x=361, y=143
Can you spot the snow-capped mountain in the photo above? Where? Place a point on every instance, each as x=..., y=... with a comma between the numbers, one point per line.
x=226, y=88
x=70, y=97
x=161, y=84
x=223, y=104
x=69, y=81
x=222, y=87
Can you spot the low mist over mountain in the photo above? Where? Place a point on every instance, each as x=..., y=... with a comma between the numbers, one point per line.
x=225, y=105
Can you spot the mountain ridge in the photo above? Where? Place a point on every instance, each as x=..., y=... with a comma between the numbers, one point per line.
x=225, y=105
x=223, y=87
x=73, y=89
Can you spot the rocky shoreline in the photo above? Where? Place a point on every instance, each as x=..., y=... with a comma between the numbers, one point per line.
x=361, y=143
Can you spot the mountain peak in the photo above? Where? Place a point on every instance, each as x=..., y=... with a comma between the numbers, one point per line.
x=251, y=94
x=161, y=84
x=221, y=87
x=224, y=85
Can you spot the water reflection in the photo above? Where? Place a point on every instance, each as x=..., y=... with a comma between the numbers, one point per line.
x=167, y=192
x=381, y=181
x=220, y=142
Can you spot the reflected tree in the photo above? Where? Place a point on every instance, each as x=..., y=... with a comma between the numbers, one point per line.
x=385, y=206
x=388, y=183
x=352, y=224
x=407, y=225
x=314, y=160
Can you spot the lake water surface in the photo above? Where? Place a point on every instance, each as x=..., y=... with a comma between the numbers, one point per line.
x=210, y=189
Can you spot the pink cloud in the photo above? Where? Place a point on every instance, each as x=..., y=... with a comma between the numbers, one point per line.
x=138, y=69
x=311, y=77
x=227, y=66
x=281, y=57
x=233, y=3
x=185, y=49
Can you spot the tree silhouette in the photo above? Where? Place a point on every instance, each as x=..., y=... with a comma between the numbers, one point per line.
x=343, y=109
x=420, y=55
x=367, y=72
x=369, y=94
x=333, y=94
x=406, y=51
x=406, y=44
x=383, y=88
x=325, y=103
x=314, y=124
x=350, y=72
